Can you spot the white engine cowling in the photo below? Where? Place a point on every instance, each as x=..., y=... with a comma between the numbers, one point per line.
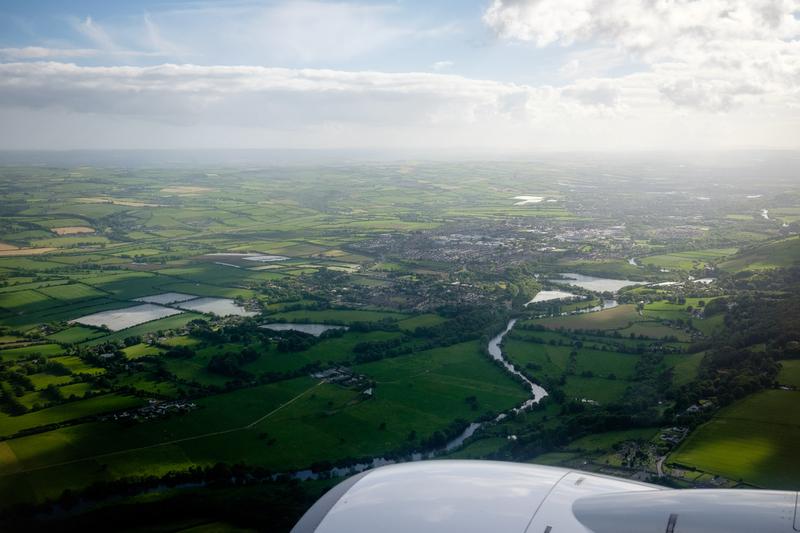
x=498, y=497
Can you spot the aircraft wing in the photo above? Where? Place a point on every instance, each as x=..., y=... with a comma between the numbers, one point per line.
x=499, y=497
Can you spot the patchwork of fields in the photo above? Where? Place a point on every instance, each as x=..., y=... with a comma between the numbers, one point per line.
x=131, y=303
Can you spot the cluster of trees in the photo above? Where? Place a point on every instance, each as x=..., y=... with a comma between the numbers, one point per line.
x=230, y=363
x=375, y=350
x=521, y=284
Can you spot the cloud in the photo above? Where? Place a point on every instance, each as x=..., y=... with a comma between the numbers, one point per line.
x=644, y=25
x=64, y=105
x=106, y=45
x=249, y=95
x=594, y=93
x=39, y=52
x=96, y=34
x=710, y=55
x=442, y=65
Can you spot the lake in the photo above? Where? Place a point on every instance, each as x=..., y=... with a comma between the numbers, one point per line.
x=547, y=296
x=216, y=306
x=126, y=318
x=592, y=283
x=311, y=329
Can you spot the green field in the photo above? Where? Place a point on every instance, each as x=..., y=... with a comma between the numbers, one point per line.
x=76, y=334
x=754, y=440
x=9, y=425
x=617, y=318
x=685, y=367
x=688, y=260
x=336, y=316
x=424, y=393
x=775, y=254
x=47, y=350
x=420, y=321
x=605, y=441
x=790, y=373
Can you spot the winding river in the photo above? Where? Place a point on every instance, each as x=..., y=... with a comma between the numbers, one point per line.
x=537, y=393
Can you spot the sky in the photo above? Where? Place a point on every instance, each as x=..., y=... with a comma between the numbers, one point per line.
x=459, y=75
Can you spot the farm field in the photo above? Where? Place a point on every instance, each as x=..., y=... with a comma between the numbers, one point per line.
x=753, y=440
x=425, y=393
x=697, y=259
x=790, y=373
x=605, y=441
x=782, y=253
x=336, y=316
x=608, y=319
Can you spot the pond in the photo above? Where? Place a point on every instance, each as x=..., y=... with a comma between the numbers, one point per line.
x=216, y=306
x=311, y=329
x=592, y=283
x=126, y=318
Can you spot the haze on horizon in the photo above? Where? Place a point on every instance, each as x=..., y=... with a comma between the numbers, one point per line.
x=499, y=75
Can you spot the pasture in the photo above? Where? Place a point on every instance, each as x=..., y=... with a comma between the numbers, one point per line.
x=616, y=318
x=696, y=259
x=424, y=392
x=790, y=373
x=755, y=440
x=9, y=425
x=336, y=316
x=772, y=254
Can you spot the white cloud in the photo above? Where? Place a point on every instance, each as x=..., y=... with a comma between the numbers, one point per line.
x=95, y=33
x=228, y=106
x=709, y=73
x=249, y=95
x=39, y=52
x=594, y=93
x=710, y=55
